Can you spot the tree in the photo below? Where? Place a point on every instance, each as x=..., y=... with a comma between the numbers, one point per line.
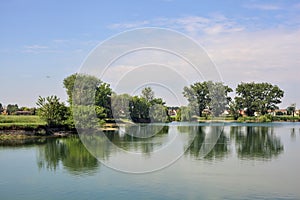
x=103, y=98
x=207, y=95
x=120, y=105
x=234, y=110
x=258, y=97
x=52, y=110
x=219, y=99
x=198, y=96
x=139, y=109
x=184, y=113
x=1, y=108
x=291, y=109
x=148, y=94
x=88, y=90
x=158, y=113
x=12, y=108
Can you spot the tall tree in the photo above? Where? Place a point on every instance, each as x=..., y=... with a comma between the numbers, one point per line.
x=219, y=99
x=207, y=95
x=90, y=91
x=258, y=97
x=139, y=109
x=148, y=94
x=120, y=105
x=198, y=96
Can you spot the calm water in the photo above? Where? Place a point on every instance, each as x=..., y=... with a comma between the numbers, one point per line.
x=249, y=161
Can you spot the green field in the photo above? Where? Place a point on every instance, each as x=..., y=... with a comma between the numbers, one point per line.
x=17, y=121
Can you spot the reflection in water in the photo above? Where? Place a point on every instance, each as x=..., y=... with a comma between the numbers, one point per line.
x=251, y=142
x=144, y=139
x=218, y=146
x=208, y=142
x=256, y=142
x=293, y=134
x=70, y=152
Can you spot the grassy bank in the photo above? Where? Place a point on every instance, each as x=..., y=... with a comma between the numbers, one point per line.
x=270, y=118
x=20, y=122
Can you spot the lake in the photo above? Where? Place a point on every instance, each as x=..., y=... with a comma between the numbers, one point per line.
x=246, y=161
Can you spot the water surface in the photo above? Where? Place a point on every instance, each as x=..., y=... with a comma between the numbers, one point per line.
x=249, y=161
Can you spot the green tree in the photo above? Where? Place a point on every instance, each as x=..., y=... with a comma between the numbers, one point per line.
x=89, y=91
x=219, y=99
x=148, y=94
x=184, y=114
x=139, y=109
x=258, y=97
x=158, y=113
x=52, y=110
x=291, y=109
x=198, y=96
x=120, y=105
x=207, y=95
x=234, y=110
x=12, y=108
x=1, y=108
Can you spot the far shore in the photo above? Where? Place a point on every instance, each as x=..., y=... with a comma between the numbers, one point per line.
x=24, y=131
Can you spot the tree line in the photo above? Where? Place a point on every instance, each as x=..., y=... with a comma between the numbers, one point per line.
x=88, y=94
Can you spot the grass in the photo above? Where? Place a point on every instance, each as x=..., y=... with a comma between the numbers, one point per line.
x=17, y=121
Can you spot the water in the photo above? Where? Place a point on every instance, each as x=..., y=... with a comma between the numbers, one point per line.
x=249, y=161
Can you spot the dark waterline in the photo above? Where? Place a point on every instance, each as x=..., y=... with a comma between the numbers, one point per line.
x=249, y=161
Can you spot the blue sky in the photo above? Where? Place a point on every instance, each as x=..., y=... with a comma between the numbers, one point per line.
x=42, y=42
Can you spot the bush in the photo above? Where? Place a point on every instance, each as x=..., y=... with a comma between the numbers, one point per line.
x=265, y=118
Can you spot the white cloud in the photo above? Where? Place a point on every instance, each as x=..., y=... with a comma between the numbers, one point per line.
x=264, y=54
x=263, y=6
x=128, y=25
x=216, y=24
x=35, y=47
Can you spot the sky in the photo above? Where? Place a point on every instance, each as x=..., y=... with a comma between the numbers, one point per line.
x=42, y=42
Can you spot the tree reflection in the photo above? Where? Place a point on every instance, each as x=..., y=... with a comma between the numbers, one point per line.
x=215, y=146
x=256, y=142
x=70, y=152
x=139, y=138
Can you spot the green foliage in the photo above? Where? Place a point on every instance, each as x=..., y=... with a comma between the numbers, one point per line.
x=234, y=110
x=1, y=108
x=258, y=97
x=198, y=96
x=120, y=106
x=291, y=109
x=88, y=116
x=148, y=94
x=139, y=109
x=184, y=114
x=158, y=113
x=207, y=95
x=86, y=90
x=218, y=97
x=11, y=109
x=265, y=118
x=52, y=110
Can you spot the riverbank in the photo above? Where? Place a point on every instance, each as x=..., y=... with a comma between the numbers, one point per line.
x=22, y=127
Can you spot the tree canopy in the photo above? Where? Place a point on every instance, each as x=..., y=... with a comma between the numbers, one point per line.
x=207, y=95
x=52, y=110
x=258, y=97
